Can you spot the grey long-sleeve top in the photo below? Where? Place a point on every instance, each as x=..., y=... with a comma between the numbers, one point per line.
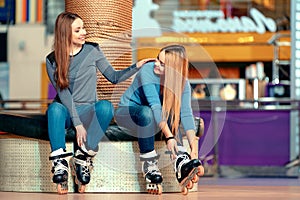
x=83, y=77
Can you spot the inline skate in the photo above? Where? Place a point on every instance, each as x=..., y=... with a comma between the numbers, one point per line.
x=81, y=166
x=151, y=172
x=187, y=171
x=60, y=169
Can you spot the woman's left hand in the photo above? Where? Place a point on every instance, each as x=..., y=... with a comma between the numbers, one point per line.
x=194, y=149
x=140, y=63
x=80, y=135
x=172, y=147
x=193, y=142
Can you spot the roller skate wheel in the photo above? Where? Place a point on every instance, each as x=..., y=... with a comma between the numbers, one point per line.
x=152, y=191
x=190, y=185
x=155, y=190
x=72, y=166
x=200, y=171
x=195, y=179
x=159, y=189
x=184, y=191
x=61, y=189
x=81, y=189
x=76, y=180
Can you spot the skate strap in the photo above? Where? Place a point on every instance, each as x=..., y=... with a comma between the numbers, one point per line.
x=150, y=158
x=153, y=172
x=178, y=153
x=61, y=166
x=86, y=164
x=61, y=156
x=81, y=162
x=85, y=153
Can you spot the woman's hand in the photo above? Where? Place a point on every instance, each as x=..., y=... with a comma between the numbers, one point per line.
x=194, y=148
x=193, y=142
x=172, y=147
x=140, y=63
x=170, y=140
x=80, y=135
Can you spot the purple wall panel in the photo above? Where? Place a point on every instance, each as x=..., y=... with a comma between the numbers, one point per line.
x=250, y=138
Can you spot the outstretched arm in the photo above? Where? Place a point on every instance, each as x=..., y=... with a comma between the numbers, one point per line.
x=117, y=76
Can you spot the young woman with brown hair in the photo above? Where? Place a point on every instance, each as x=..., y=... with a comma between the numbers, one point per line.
x=72, y=69
x=159, y=99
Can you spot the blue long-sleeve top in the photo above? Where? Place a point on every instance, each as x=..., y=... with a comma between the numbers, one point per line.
x=145, y=90
x=83, y=77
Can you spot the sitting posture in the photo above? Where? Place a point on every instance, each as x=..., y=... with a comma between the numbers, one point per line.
x=72, y=69
x=158, y=100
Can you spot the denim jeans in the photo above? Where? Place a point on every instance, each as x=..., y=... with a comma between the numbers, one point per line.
x=95, y=118
x=140, y=121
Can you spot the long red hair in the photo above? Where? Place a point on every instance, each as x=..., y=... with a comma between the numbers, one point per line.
x=62, y=47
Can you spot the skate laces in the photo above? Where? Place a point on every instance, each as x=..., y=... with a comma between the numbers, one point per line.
x=85, y=171
x=89, y=163
x=152, y=167
x=59, y=167
x=86, y=164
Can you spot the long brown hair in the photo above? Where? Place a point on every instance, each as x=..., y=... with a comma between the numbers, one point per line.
x=62, y=47
x=173, y=82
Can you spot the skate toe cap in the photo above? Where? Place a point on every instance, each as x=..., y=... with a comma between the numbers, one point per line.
x=196, y=162
x=85, y=180
x=157, y=179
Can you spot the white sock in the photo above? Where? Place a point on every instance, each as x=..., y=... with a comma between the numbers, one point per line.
x=150, y=154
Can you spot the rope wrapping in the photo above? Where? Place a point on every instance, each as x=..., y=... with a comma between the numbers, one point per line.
x=108, y=23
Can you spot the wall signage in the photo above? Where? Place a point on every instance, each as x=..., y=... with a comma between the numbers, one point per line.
x=215, y=21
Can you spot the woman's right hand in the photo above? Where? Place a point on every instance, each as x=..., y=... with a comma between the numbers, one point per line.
x=80, y=135
x=140, y=63
x=172, y=147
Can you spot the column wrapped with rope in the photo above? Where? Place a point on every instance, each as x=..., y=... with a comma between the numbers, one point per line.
x=109, y=24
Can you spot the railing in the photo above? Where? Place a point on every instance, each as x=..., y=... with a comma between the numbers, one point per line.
x=24, y=105
x=266, y=103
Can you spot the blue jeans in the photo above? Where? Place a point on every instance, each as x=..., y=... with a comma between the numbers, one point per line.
x=140, y=121
x=95, y=118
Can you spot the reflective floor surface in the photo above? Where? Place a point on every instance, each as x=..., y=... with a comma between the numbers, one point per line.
x=208, y=188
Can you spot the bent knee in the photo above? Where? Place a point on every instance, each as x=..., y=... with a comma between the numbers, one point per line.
x=56, y=108
x=146, y=116
x=104, y=107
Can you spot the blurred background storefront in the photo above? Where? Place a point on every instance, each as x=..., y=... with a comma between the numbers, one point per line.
x=241, y=76
x=244, y=69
